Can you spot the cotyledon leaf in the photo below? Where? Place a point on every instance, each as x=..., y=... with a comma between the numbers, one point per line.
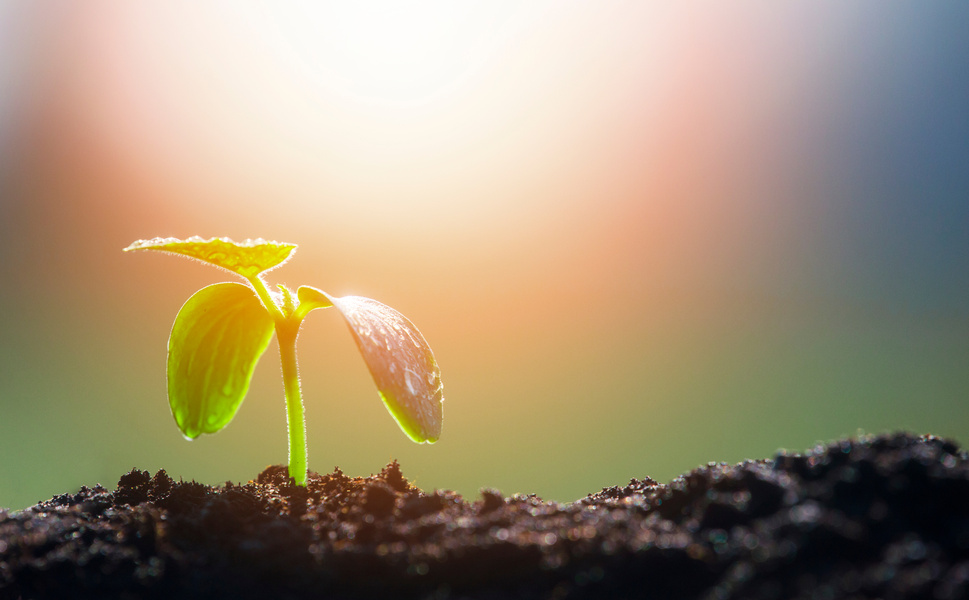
x=247, y=258
x=399, y=359
x=216, y=341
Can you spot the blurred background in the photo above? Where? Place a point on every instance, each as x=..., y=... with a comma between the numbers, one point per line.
x=639, y=236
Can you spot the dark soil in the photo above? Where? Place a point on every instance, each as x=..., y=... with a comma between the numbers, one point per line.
x=879, y=517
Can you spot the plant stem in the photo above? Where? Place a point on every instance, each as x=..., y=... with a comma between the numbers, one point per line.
x=287, y=330
x=286, y=333
x=267, y=299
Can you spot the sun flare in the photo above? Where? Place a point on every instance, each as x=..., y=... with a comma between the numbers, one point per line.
x=383, y=51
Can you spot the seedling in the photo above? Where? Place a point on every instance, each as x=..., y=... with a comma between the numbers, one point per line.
x=221, y=332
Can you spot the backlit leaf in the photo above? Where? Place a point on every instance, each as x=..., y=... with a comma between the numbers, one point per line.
x=216, y=341
x=399, y=359
x=247, y=258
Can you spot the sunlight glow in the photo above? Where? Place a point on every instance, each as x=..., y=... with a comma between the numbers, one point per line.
x=383, y=51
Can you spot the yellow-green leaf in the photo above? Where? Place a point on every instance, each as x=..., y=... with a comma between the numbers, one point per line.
x=247, y=258
x=216, y=341
x=399, y=359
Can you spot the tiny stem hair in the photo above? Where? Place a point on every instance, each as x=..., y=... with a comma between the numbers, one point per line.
x=286, y=334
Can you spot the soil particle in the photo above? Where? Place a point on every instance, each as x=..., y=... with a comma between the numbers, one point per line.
x=873, y=517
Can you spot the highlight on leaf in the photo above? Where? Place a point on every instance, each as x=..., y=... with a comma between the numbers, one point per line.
x=215, y=343
x=248, y=258
x=399, y=359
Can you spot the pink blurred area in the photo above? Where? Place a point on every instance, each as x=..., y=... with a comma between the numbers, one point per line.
x=633, y=152
x=592, y=211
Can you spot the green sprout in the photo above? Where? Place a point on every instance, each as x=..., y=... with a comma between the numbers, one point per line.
x=221, y=332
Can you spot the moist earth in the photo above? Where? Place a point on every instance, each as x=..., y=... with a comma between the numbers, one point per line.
x=869, y=517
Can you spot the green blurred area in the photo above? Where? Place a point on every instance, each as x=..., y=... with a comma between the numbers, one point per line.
x=632, y=256
x=593, y=405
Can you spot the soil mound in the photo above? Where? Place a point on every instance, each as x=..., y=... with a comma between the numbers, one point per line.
x=873, y=517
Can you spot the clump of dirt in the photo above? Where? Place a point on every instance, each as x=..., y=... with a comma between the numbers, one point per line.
x=874, y=517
